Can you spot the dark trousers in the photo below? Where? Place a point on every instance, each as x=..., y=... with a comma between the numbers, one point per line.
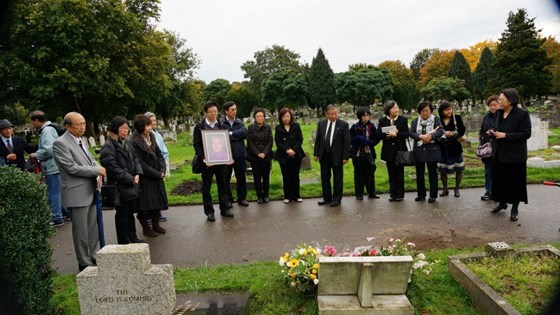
x=220, y=172
x=124, y=221
x=488, y=175
x=239, y=167
x=396, y=180
x=327, y=166
x=364, y=175
x=261, y=175
x=432, y=176
x=290, y=178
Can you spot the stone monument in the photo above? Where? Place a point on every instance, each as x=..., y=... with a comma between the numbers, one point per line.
x=125, y=282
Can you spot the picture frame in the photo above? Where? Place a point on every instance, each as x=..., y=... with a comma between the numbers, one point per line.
x=217, y=148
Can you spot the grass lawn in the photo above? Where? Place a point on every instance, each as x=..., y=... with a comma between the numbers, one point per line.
x=473, y=176
x=435, y=293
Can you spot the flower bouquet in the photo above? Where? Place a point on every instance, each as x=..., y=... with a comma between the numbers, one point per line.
x=300, y=268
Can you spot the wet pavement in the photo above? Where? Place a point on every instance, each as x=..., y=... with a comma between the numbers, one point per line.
x=265, y=232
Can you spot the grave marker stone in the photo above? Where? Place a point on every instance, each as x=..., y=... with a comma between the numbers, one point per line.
x=91, y=142
x=101, y=140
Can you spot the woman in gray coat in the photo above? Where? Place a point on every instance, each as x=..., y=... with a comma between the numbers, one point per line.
x=425, y=129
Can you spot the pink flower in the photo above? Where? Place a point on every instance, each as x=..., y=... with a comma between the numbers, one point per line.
x=329, y=251
x=372, y=252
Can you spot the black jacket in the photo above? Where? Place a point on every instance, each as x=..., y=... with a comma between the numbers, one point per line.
x=392, y=145
x=487, y=123
x=517, y=126
x=340, y=148
x=121, y=167
x=152, y=195
x=451, y=144
x=259, y=140
x=236, y=139
x=359, y=140
x=285, y=140
x=427, y=152
x=19, y=147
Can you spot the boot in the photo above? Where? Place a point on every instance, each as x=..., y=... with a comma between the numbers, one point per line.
x=514, y=216
x=146, y=229
x=155, y=224
x=501, y=206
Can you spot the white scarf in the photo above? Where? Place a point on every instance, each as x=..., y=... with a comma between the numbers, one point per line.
x=427, y=125
x=392, y=121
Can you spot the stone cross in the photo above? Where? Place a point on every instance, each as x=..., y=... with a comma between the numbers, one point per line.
x=125, y=282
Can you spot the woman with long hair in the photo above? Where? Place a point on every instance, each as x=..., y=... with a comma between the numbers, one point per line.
x=451, y=160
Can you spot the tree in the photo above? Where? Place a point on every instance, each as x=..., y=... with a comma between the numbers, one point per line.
x=216, y=91
x=436, y=66
x=244, y=97
x=321, y=82
x=420, y=60
x=446, y=88
x=405, y=90
x=362, y=87
x=285, y=87
x=481, y=75
x=460, y=69
x=520, y=60
x=552, y=48
x=269, y=61
x=473, y=53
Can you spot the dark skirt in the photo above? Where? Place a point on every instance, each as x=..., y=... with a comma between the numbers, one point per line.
x=509, y=182
x=451, y=161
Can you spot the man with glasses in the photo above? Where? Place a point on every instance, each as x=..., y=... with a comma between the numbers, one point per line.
x=237, y=136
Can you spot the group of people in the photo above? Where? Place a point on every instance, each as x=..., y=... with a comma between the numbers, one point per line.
x=434, y=139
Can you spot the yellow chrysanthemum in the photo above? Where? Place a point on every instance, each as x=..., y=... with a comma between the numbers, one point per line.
x=312, y=276
x=316, y=266
x=293, y=263
x=314, y=271
x=292, y=275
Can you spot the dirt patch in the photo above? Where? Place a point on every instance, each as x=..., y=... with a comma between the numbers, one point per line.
x=187, y=188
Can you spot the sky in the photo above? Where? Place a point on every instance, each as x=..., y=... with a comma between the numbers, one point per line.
x=225, y=34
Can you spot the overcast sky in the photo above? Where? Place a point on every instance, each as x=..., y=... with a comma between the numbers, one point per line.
x=227, y=33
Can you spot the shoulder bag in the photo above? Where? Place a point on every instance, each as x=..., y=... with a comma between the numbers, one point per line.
x=405, y=158
x=197, y=165
x=110, y=195
x=484, y=151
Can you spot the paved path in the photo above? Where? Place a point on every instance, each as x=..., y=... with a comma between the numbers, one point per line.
x=264, y=232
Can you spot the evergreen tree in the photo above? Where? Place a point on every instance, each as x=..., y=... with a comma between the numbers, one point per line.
x=405, y=90
x=520, y=59
x=460, y=69
x=420, y=60
x=481, y=75
x=321, y=81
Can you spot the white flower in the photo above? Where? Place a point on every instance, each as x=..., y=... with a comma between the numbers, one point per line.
x=410, y=244
x=421, y=256
x=391, y=240
x=316, y=281
x=420, y=264
x=302, y=251
x=281, y=261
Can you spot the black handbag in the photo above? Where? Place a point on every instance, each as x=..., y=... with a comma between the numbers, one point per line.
x=197, y=165
x=405, y=158
x=110, y=196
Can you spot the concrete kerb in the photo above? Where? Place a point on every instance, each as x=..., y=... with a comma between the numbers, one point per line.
x=484, y=297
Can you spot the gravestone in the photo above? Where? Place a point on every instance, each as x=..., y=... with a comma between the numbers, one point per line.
x=101, y=140
x=539, y=134
x=91, y=142
x=306, y=162
x=125, y=282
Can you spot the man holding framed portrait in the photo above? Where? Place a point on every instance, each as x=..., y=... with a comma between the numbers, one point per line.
x=211, y=141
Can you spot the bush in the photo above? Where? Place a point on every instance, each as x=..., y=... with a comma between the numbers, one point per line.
x=25, y=253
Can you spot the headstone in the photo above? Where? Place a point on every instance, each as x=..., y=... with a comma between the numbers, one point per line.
x=306, y=162
x=539, y=134
x=124, y=282
x=91, y=142
x=101, y=140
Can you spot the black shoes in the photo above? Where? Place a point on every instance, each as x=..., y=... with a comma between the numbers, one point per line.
x=444, y=193
x=323, y=202
x=229, y=205
x=211, y=217
x=431, y=200
x=487, y=196
x=259, y=201
x=265, y=200
x=420, y=199
x=227, y=214
x=373, y=197
x=335, y=204
x=514, y=216
x=243, y=203
x=360, y=197
x=499, y=208
x=457, y=194
x=396, y=199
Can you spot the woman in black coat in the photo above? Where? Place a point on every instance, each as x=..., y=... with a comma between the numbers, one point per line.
x=364, y=138
x=289, y=153
x=509, y=154
x=394, y=140
x=123, y=169
x=153, y=197
x=259, y=153
x=425, y=129
x=451, y=149
x=487, y=124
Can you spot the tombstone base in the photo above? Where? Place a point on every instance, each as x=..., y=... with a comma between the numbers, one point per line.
x=350, y=305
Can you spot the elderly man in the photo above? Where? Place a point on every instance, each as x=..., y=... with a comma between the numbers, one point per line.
x=47, y=136
x=80, y=175
x=237, y=136
x=12, y=147
x=161, y=145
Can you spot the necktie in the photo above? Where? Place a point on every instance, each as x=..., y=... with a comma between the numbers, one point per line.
x=83, y=149
x=9, y=146
x=329, y=130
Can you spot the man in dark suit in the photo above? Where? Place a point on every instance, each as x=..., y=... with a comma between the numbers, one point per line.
x=12, y=148
x=332, y=150
x=80, y=175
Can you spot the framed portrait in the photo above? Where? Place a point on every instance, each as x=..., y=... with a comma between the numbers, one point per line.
x=217, y=149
